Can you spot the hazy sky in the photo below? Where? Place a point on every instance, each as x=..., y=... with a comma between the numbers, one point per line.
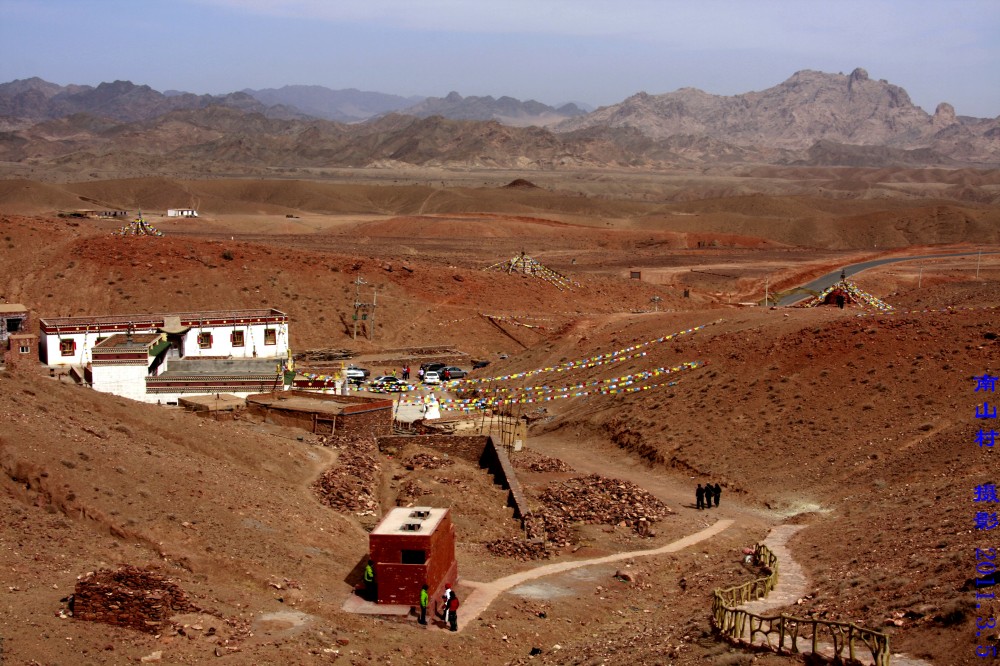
x=554, y=51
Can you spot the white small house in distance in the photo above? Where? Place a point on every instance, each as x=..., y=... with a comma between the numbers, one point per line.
x=182, y=212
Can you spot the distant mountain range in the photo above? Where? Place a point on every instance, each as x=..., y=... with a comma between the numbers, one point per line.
x=813, y=118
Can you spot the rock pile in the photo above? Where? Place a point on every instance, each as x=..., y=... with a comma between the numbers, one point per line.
x=530, y=461
x=411, y=489
x=595, y=499
x=129, y=597
x=352, y=484
x=590, y=499
x=519, y=549
x=427, y=461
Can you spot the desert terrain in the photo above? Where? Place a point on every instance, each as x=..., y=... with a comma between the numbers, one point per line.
x=854, y=423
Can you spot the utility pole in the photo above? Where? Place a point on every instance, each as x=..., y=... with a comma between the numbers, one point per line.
x=979, y=259
x=358, y=305
x=371, y=320
x=765, y=291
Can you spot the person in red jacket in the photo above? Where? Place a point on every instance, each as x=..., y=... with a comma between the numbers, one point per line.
x=453, y=611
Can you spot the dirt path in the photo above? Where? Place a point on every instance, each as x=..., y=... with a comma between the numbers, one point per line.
x=483, y=594
x=667, y=486
x=792, y=585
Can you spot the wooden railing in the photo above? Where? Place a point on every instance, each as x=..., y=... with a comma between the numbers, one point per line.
x=784, y=633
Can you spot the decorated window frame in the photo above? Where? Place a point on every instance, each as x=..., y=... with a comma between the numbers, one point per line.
x=237, y=339
x=204, y=340
x=67, y=346
x=270, y=336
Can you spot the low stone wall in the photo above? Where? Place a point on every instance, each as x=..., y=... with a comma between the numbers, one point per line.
x=129, y=597
x=465, y=447
x=496, y=460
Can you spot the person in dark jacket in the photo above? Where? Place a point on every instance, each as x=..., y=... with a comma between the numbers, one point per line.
x=699, y=496
x=717, y=493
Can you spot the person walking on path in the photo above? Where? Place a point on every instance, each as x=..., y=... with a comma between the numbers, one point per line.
x=424, y=598
x=717, y=493
x=699, y=495
x=370, y=590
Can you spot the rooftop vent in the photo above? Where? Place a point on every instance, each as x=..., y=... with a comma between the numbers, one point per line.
x=411, y=527
x=421, y=515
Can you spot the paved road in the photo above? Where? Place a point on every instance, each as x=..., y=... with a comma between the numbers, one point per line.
x=821, y=283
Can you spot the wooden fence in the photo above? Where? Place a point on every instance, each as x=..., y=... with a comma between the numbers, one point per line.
x=784, y=633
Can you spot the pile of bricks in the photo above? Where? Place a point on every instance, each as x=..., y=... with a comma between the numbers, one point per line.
x=427, y=461
x=352, y=484
x=530, y=461
x=129, y=597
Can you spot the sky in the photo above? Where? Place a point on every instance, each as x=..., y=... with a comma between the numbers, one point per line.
x=554, y=51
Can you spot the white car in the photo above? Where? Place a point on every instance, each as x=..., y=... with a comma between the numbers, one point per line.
x=431, y=377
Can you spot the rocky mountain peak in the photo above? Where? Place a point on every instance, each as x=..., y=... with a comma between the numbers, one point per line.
x=944, y=114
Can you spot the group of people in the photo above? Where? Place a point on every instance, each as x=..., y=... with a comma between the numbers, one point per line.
x=449, y=599
x=450, y=614
x=705, y=495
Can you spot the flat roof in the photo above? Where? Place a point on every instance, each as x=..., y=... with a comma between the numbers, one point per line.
x=122, y=341
x=17, y=308
x=300, y=403
x=428, y=518
x=157, y=320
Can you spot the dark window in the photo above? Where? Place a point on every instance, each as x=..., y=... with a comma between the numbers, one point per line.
x=270, y=336
x=204, y=340
x=414, y=557
x=237, y=338
x=67, y=347
x=13, y=325
x=24, y=349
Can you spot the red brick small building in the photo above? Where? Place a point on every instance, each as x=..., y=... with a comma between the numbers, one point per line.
x=411, y=547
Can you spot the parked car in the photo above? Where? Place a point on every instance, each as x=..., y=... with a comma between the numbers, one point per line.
x=389, y=384
x=357, y=375
x=479, y=364
x=452, y=372
x=435, y=367
x=432, y=377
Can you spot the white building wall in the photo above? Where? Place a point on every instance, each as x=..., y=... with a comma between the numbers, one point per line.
x=253, y=341
x=128, y=381
x=81, y=356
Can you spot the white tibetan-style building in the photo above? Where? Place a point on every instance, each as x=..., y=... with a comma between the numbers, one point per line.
x=159, y=358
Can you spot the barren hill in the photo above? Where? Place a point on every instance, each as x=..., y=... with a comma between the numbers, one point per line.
x=808, y=108
x=850, y=421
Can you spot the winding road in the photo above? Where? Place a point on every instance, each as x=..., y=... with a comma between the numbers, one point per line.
x=824, y=281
